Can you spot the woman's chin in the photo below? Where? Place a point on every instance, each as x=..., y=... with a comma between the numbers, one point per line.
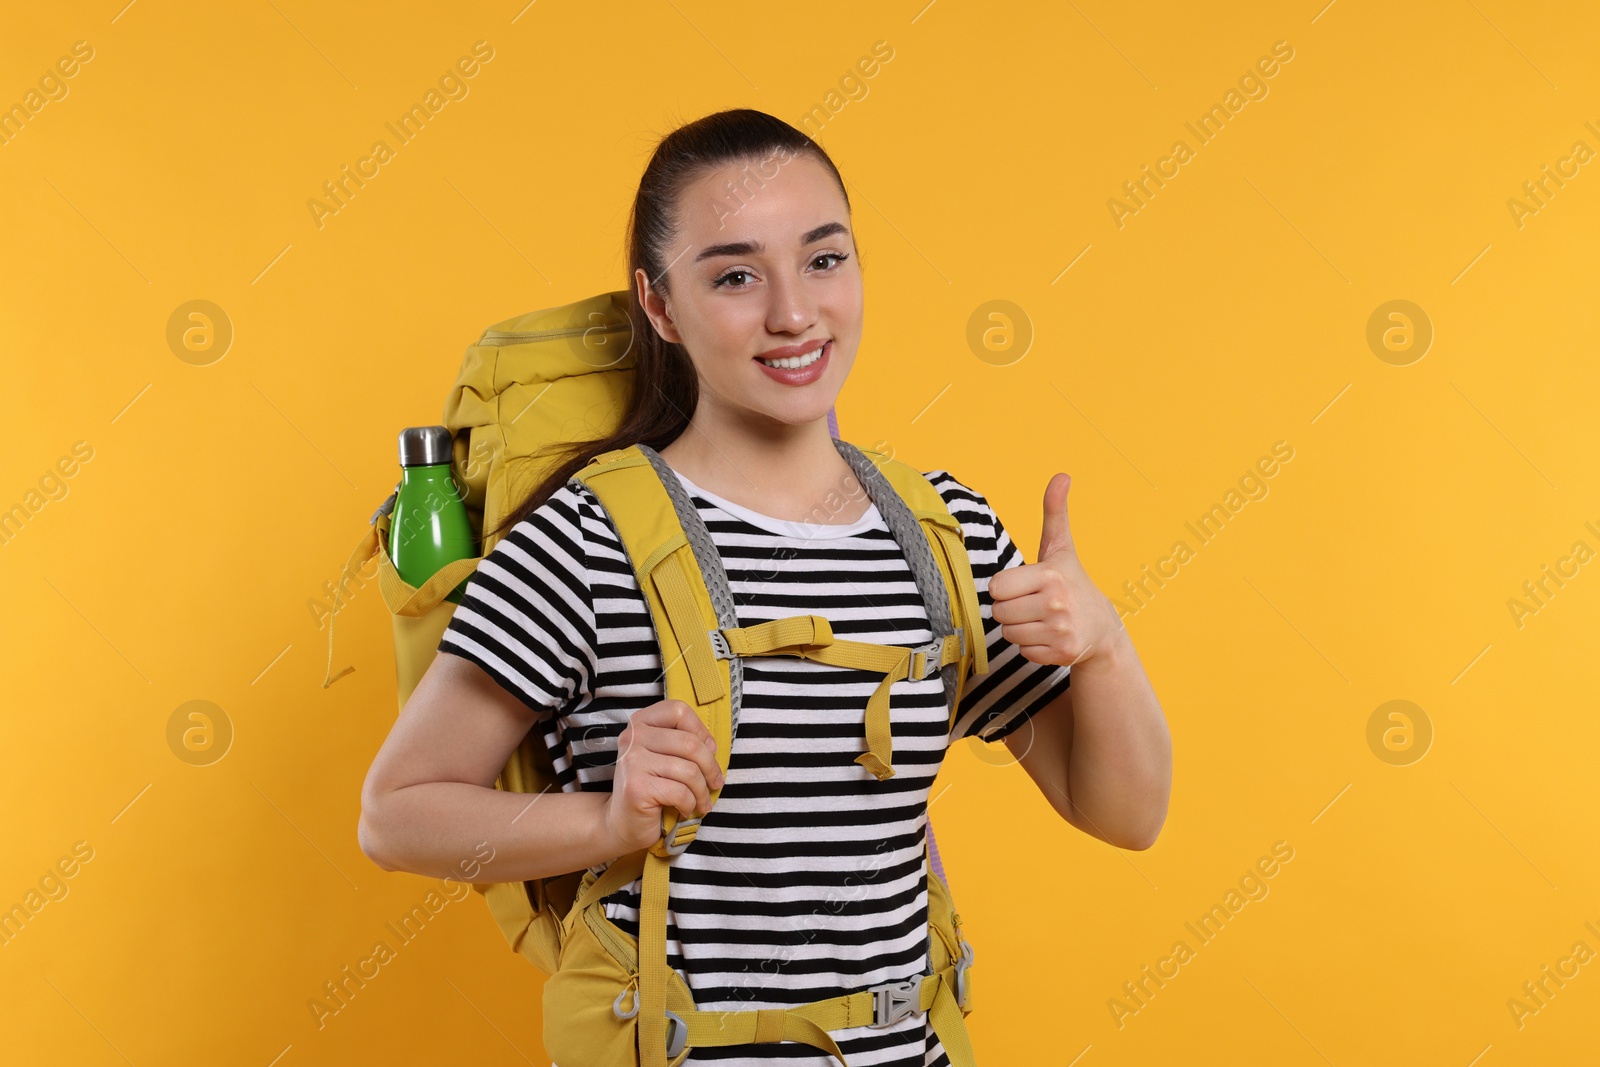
x=799, y=414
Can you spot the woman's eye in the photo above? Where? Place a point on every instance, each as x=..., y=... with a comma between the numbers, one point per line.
x=726, y=280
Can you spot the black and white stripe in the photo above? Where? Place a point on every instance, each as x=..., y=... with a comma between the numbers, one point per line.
x=807, y=879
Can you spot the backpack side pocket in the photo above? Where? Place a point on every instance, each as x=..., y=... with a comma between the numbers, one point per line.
x=947, y=944
x=591, y=1001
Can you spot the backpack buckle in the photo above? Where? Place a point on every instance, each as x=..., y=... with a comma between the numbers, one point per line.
x=963, y=989
x=930, y=660
x=893, y=1001
x=672, y=846
x=677, y=1034
x=719, y=644
x=677, y=1031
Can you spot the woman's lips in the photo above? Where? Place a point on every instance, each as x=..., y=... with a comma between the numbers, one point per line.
x=799, y=375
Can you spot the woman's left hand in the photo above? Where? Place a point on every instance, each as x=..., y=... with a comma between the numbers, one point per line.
x=1050, y=609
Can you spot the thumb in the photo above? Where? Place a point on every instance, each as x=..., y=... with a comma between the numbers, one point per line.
x=1056, y=537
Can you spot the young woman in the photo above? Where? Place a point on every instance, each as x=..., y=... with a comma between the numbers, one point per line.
x=807, y=877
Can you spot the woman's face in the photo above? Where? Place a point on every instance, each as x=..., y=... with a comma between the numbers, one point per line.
x=763, y=265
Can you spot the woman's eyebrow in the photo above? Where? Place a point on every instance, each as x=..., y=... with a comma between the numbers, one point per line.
x=753, y=248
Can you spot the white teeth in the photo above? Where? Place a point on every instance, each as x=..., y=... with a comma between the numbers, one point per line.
x=795, y=362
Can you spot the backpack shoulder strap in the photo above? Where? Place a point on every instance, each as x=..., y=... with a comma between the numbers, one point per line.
x=938, y=559
x=686, y=588
x=674, y=561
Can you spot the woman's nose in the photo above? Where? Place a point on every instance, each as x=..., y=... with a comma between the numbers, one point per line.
x=792, y=309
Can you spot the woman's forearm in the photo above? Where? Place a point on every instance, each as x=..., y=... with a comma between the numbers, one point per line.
x=1121, y=766
x=477, y=834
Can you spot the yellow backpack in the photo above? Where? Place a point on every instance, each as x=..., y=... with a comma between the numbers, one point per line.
x=564, y=374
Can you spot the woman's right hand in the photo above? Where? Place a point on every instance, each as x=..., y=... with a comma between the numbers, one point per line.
x=665, y=758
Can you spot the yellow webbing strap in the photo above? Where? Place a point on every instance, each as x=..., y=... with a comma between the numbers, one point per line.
x=956, y=560
x=688, y=625
x=811, y=637
x=617, y=874
x=780, y=636
x=653, y=960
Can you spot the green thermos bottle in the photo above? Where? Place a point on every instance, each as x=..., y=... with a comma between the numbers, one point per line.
x=429, y=526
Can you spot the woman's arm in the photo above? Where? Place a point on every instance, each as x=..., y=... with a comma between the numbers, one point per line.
x=429, y=804
x=1100, y=752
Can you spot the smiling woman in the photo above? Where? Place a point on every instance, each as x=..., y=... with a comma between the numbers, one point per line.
x=856, y=641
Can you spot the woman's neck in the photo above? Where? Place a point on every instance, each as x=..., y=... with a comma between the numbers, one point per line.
x=800, y=477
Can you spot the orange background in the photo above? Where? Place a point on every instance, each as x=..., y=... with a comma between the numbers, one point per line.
x=1168, y=354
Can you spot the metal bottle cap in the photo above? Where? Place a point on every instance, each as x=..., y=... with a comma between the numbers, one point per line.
x=425, y=446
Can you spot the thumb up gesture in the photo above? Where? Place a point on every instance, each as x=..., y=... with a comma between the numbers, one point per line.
x=1050, y=609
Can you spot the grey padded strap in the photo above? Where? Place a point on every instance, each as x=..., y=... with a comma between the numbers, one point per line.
x=907, y=532
x=716, y=579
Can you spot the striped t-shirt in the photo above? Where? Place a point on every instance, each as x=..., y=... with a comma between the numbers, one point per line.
x=808, y=878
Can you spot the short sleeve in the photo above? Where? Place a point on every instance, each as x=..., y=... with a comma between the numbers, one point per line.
x=1015, y=688
x=527, y=618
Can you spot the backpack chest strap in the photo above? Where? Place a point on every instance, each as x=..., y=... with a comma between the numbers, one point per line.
x=811, y=637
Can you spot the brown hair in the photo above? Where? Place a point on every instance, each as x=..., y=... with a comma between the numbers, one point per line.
x=665, y=388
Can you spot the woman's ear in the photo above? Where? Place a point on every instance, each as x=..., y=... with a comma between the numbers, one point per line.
x=656, y=306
